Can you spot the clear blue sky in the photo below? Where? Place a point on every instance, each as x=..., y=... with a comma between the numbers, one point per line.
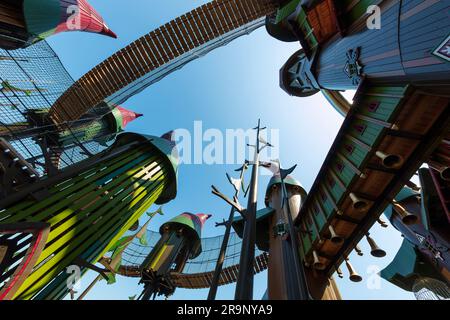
x=230, y=88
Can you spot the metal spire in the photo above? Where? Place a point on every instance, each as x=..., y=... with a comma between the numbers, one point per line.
x=237, y=185
x=244, y=286
x=300, y=290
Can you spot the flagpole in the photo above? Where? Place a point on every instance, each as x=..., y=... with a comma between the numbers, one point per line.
x=244, y=285
x=219, y=264
x=301, y=289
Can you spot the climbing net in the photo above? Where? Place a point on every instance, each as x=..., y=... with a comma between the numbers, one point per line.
x=135, y=254
x=31, y=80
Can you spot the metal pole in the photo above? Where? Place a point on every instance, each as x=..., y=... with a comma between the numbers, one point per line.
x=299, y=275
x=244, y=285
x=215, y=280
x=89, y=288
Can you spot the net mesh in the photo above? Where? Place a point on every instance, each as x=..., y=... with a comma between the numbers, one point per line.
x=135, y=254
x=33, y=79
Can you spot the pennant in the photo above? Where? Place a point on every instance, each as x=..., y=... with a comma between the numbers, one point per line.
x=285, y=172
x=236, y=183
x=273, y=166
x=159, y=211
x=263, y=141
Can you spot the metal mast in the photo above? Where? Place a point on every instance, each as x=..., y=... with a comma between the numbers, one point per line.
x=237, y=187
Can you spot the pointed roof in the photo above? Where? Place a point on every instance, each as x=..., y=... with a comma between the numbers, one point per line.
x=193, y=224
x=127, y=116
x=44, y=18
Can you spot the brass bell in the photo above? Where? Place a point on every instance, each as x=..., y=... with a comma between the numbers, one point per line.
x=358, y=251
x=354, y=276
x=316, y=262
x=358, y=203
x=375, y=250
x=390, y=161
x=334, y=237
x=407, y=217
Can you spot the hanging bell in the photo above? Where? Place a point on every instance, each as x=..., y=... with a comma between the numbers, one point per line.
x=317, y=264
x=339, y=273
x=375, y=250
x=358, y=203
x=358, y=251
x=382, y=223
x=354, y=276
x=334, y=237
x=407, y=217
x=444, y=171
x=390, y=161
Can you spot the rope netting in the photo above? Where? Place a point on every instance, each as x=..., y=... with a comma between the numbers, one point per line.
x=135, y=254
x=31, y=80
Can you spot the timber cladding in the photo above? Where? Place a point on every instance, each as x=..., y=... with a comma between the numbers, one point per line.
x=156, y=49
x=87, y=213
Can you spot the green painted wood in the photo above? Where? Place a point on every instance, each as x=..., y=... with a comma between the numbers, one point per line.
x=358, y=10
x=78, y=190
x=319, y=217
x=366, y=132
x=306, y=29
x=62, y=190
x=84, y=219
x=286, y=10
x=57, y=288
x=354, y=152
x=342, y=171
x=311, y=227
x=306, y=242
x=60, y=260
x=335, y=189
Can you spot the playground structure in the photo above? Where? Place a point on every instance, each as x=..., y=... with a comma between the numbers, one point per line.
x=55, y=131
x=26, y=22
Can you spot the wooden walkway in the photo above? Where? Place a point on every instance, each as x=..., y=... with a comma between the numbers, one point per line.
x=155, y=50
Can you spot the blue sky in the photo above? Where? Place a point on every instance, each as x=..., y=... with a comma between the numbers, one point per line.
x=229, y=88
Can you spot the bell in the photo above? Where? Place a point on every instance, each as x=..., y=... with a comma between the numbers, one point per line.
x=390, y=161
x=407, y=217
x=316, y=262
x=334, y=237
x=375, y=250
x=444, y=171
x=358, y=251
x=354, y=276
x=382, y=223
x=358, y=203
x=339, y=273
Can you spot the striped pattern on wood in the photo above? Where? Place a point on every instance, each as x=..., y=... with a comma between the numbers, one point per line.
x=21, y=246
x=12, y=15
x=156, y=50
x=88, y=212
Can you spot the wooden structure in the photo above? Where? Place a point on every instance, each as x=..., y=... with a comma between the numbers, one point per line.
x=156, y=54
x=88, y=207
x=195, y=280
x=355, y=182
x=398, y=118
x=25, y=22
x=425, y=248
x=340, y=50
